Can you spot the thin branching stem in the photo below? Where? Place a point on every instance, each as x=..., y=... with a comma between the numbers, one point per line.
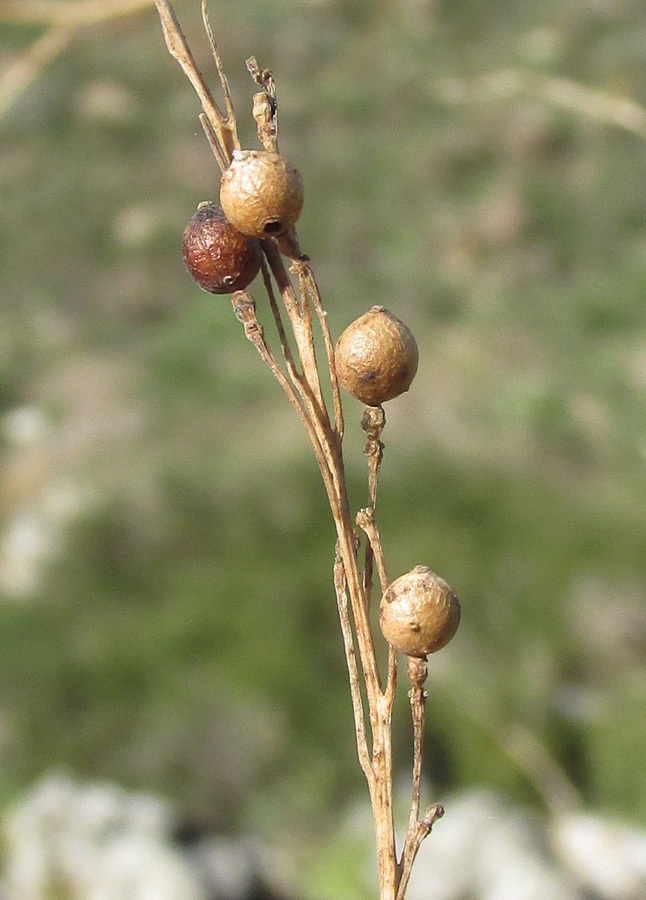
x=245, y=310
x=372, y=422
x=300, y=319
x=309, y=289
x=353, y=672
x=62, y=12
x=179, y=50
x=304, y=391
x=421, y=831
x=417, y=696
x=366, y=521
x=230, y=120
x=26, y=67
x=212, y=138
x=280, y=328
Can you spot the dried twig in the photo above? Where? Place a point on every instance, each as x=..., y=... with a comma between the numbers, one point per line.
x=373, y=422
x=62, y=12
x=222, y=129
x=609, y=109
x=292, y=311
x=353, y=671
x=27, y=67
x=64, y=21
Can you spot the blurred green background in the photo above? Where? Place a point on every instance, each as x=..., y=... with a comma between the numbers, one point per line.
x=168, y=618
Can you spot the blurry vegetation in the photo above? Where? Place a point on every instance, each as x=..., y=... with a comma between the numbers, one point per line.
x=184, y=639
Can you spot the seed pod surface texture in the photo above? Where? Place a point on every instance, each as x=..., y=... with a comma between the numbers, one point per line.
x=261, y=193
x=419, y=613
x=376, y=357
x=218, y=256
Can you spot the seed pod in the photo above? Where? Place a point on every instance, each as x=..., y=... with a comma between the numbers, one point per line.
x=261, y=193
x=376, y=357
x=219, y=257
x=419, y=613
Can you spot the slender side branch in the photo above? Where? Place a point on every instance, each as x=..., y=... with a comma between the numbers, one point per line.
x=300, y=319
x=609, y=109
x=422, y=830
x=417, y=696
x=179, y=50
x=295, y=376
x=353, y=672
x=310, y=290
x=62, y=12
x=417, y=829
x=312, y=396
x=211, y=137
x=245, y=310
x=366, y=521
x=224, y=81
x=26, y=68
x=373, y=422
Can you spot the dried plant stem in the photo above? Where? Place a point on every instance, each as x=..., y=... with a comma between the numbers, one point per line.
x=280, y=328
x=597, y=105
x=221, y=127
x=28, y=66
x=421, y=830
x=417, y=696
x=326, y=443
x=62, y=12
x=309, y=290
x=230, y=120
x=366, y=521
x=64, y=21
x=549, y=779
x=300, y=309
x=353, y=672
x=373, y=422
x=300, y=317
x=245, y=310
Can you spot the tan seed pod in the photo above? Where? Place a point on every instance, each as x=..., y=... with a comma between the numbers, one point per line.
x=219, y=257
x=261, y=193
x=419, y=613
x=376, y=357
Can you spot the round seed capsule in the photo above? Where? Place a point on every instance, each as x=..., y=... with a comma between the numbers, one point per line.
x=261, y=193
x=219, y=257
x=376, y=357
x=419, y=613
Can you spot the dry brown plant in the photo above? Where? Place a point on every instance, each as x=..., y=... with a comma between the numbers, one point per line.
x=294, y=297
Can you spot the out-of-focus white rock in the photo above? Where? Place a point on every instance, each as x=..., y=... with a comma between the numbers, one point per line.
x=25, y=425
x=227, y=867
x=97, y=842
x=35, y=533
x=134, y=868
x=483, y=849
x=606, y=856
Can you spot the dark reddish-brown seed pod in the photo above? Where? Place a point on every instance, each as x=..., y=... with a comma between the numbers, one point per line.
x=419, y=613
x=261, y=193
x=219, y=257
x=376, y=357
